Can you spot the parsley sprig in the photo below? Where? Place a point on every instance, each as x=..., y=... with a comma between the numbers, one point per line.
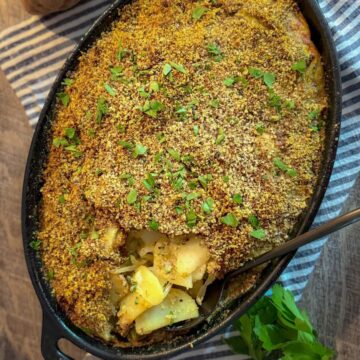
x=275, y=328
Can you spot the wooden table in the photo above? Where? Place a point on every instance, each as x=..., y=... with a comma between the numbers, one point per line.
x=332, y=296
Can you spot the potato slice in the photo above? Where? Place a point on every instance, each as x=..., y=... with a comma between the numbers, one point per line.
x=190, y=256
x=176, y=260
x=148, y=285
x=148, y=292
x=177, y=306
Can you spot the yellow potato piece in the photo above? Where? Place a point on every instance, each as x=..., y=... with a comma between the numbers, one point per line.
x=177, y=306
x=148, y=292
x=180, y=262
x=119, y=288
x=191, y=256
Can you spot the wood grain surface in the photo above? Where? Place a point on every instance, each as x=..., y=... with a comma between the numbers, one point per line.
x=332, y=296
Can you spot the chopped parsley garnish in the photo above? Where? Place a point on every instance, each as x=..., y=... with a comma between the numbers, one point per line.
x=230, y=220
x=110, y=89
x=254, y=221
x=255, y=73
x=64, y=98
x=121, y=52
x=237, y=198
x=215, y=52
x=191, y=218
x=178, y=67
x=62, y=199
x=167, y=69
x=229, y=82
x=57, y=142
x=154, y=86
x=91, y=133
x=258, y=234
x=220, y=137
x=125, y=144
x=269, y=79
x=74, y=150
x=153, y=224
x=174, y=154
x=131, y=197
x=139, y=150
x=179, y=210
x=70, y=133
x=67, y=82
x=199, y=12
x=299, y=66
x=314, y=128
x=50, y=274
x=290, y=104
x=192, y=196
x=226, y=178
x=121, y=128
x=279, y=164
x=35, y=244
x=160, y=137
x=274, y=100
x=101, y=109
x=204, y=180
x=196, y=130
x=208, y=205
x=99, y=172
x=143, y=93
x=260, y=128
x=128, y=177
x=152, y=108
x=215, y=103
x=178, y=183
x=116, y=72
x=313, y=115
x=149, y=182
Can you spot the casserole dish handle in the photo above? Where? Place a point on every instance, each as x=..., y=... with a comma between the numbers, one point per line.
x=50, y=336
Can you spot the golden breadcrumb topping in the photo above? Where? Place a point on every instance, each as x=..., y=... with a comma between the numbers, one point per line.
x=200, y=117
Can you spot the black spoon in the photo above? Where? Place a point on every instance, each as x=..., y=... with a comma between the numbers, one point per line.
x=215, y=291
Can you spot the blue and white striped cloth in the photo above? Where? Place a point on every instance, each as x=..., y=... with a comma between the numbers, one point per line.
x=32, y=52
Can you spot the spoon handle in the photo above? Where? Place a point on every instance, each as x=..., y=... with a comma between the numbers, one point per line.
x=291, y=245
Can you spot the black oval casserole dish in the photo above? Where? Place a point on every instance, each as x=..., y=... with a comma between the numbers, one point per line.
x=55, y=323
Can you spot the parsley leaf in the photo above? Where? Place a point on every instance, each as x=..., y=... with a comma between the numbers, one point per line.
x=199, y=12
x=230, y=220
x=269, y=79
x=139, y=150
x=196, y=130
x=276, y=328
x=64, y=98
x=174, y=154
x=207, y=206
x=35, y=244
x=258, y=234
x=153, y=224
x=299, y=66
x=101, y=109
x=167, y=69
x=110, y=89
x=255, y=73
x=178, y=67
x=237, y=198
x=215, y=52
x=131, y=197
x=279, y=164
x=191, y=218
x=116, y=72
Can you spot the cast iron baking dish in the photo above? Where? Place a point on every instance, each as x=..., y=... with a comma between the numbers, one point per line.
x=55, y=323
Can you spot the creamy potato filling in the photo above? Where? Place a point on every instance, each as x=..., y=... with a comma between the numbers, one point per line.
x=162, y=283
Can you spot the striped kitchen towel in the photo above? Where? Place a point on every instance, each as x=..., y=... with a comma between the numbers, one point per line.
x=32, y=52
